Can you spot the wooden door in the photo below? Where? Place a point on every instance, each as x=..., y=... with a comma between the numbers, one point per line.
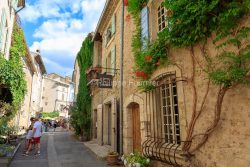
x=95, y=124
x=136, y=128
x=109, y=124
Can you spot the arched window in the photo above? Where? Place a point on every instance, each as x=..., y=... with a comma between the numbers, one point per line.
x=161, y=17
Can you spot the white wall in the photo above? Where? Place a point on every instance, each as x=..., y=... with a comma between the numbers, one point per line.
x=7, y=16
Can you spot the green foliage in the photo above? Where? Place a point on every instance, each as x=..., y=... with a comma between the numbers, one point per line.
x=54, y=114
x=81, y=113
x=133, y=159
x=148, y=59
x=190, y=22
x=6, y=150
x=135, y=7
x=11, y=72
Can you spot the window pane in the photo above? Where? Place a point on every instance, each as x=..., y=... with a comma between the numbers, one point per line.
x=176, y=110
x=170, y=111
x=163, y=93
x=175, y=100
x=174, y=90
x=164, y=110
x=164, y=101
x=168, y=101
x=168, y=93
x=176, y=119
x=169, y=120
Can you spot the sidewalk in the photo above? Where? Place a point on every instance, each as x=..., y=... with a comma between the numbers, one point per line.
x=100, y=151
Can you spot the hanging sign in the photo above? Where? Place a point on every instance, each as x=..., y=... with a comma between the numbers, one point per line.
x=105, y=81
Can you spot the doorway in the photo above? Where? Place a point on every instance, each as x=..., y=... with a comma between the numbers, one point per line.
x=109, y=123
x=95, y=124
x=136, y=127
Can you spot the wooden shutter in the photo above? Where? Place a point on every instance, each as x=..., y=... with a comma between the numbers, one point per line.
x=105, y=39
x=106, y=65
x=144, y=26
x=113, y=24
x=113, y=61
x=2, y=26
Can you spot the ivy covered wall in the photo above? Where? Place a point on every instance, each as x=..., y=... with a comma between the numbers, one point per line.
x=12, y=75
x=81, y=112
x=199, y=27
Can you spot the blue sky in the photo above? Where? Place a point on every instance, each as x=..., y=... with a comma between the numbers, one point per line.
x=57, y=28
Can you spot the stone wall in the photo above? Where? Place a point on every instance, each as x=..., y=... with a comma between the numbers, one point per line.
x=24, y=114
x=227, y=146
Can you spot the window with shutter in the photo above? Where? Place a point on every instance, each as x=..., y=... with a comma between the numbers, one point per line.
x=14, y=4
x=144, y=26
x=113, y=61
x=113, y=24
x=2, y=26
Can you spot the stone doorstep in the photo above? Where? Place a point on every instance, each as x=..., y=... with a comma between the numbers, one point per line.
x=100, y=151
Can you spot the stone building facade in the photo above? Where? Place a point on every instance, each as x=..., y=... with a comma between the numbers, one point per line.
x=105, y=101
x=37, y=84
x=58, y=94
x=8, y=9
x=23, y=116
x=156, y=122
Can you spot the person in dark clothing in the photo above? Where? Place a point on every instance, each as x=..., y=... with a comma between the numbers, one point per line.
x=55, y=125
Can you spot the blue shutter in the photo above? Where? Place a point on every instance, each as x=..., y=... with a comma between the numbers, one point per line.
x=144, y=26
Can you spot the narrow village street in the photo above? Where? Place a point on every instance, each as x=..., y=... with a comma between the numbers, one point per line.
x=129, y=83
x=58, y=149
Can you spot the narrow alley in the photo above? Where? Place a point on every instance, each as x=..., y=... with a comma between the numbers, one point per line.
x=58, y=149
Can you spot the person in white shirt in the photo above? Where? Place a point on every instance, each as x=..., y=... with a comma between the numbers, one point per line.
x=36, y=136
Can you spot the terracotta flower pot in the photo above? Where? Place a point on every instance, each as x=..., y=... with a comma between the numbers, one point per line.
x=112, y=159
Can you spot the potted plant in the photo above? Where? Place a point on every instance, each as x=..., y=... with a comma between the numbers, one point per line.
x=112, y=158
x=135, y=160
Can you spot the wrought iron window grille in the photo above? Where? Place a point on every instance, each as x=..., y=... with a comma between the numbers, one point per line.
x=163, y=138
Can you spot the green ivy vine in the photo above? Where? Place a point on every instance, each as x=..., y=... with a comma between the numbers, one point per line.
x=11, y=72
x=191, y=22
x=81, y=112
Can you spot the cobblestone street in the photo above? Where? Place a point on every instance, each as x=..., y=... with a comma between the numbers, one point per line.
x=58, y=149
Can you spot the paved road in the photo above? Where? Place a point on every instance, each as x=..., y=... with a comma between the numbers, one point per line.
x=59, y=149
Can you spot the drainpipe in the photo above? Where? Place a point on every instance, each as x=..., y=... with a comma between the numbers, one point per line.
x=121, y=79
x=30, y=105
